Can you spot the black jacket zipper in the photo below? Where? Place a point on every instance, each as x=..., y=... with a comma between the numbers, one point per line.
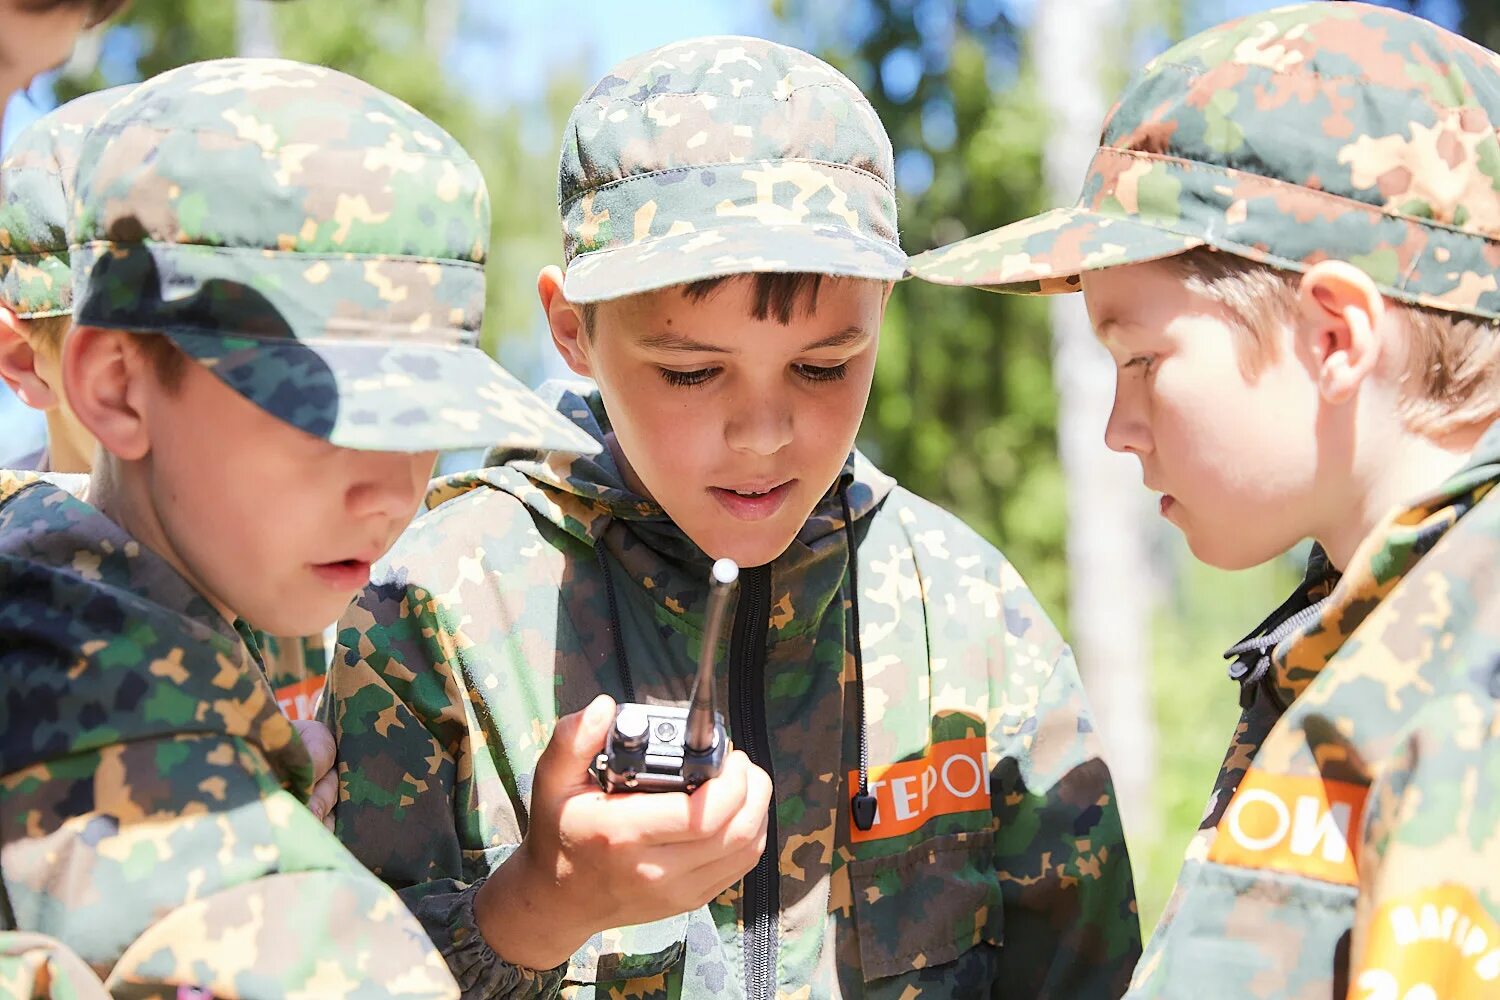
x=747, y=686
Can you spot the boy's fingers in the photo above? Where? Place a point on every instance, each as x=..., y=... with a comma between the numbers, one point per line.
x=324, y=795
x=319, y=742
x=676, y=818
x=576, y=741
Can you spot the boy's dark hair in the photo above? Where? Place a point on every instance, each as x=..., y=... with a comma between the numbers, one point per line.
x=779, y=295
x=166, y=358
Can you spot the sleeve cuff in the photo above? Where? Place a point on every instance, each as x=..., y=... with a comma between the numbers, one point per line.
x=449, y=920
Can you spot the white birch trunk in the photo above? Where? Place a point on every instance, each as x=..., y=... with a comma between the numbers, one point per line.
x=254, y=36
x=1110, y=590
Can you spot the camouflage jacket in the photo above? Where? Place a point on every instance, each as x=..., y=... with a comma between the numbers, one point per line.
x=36, y=967
x=1352, y=846
x=996, y=866
x=151, y=815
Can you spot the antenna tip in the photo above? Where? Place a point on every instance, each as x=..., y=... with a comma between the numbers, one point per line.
x=725, y=571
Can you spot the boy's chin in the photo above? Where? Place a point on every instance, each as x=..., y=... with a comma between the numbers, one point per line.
x=299, y=622
x=1229, y=552
x=747, y=545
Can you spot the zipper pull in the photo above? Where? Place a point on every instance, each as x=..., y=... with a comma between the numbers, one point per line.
x=862, y=806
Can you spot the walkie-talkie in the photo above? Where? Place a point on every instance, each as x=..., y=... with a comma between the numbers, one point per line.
x=657, y=748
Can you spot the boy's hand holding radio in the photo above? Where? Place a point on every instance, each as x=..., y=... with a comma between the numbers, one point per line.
x=592, y=860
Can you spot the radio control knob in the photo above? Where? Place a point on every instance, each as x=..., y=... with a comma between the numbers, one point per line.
x=631, y=726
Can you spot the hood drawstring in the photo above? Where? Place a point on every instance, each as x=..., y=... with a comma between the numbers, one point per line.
x=1252, y=664
x=861, y=803
x=614, y=620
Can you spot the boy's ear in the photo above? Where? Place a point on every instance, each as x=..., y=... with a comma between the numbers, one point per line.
x=1342, y=312
x=18, y=364
x=566, y=321
x=107, y=381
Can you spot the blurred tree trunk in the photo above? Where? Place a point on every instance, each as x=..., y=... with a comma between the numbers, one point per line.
x=440, y=19
x=1109, y=569
x=254, y=34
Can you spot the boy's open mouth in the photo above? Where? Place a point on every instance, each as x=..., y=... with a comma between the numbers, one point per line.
x=345, y=574
x=752, y=501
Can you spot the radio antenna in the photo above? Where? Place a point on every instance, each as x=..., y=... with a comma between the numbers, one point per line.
x=700, y=735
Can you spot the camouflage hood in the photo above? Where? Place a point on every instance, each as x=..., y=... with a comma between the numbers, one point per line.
x=583, y=495
x=171, y=665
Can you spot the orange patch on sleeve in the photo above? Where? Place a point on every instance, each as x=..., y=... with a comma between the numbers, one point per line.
x=1300, y=824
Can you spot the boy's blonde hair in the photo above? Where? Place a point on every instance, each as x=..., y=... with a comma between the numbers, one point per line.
x=46, y=332
x=1449, y=370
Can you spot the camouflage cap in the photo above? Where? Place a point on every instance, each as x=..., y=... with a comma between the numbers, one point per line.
x=36, y=187
x=318, y=244
x=719, y=156
x=1322, y=130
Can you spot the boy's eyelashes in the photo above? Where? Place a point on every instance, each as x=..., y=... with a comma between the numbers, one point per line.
x=823, y=373
x=701, y=376
x=686, y=379
x=1140, y=362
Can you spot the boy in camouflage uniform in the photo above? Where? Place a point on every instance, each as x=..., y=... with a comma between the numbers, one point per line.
x=274, y=265
x=36, y=306
x=730, y=232
x=1288, y=242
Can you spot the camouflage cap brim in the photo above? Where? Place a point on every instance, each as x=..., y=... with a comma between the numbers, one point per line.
x=378, y=395
x=37, y=285
x=1044, y=255
x=1287, y=137
x=730, y=250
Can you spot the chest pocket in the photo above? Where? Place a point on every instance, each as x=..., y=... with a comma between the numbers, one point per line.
x=930, y=918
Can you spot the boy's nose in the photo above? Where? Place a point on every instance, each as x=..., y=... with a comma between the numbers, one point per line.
x=389, y=484
x=762, y=427
x=1126, y=432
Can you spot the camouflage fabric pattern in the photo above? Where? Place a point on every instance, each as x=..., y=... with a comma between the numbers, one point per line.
x=1359, y=853
x=296, y=667
x=36, y=184
x=724, y=155
x=152, y=814
x=491, y=618
x=314, y=241
x=36, y=967
x=1318, y=130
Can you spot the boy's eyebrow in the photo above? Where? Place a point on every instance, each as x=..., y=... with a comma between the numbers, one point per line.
x=848, y=335
x=677, y=342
